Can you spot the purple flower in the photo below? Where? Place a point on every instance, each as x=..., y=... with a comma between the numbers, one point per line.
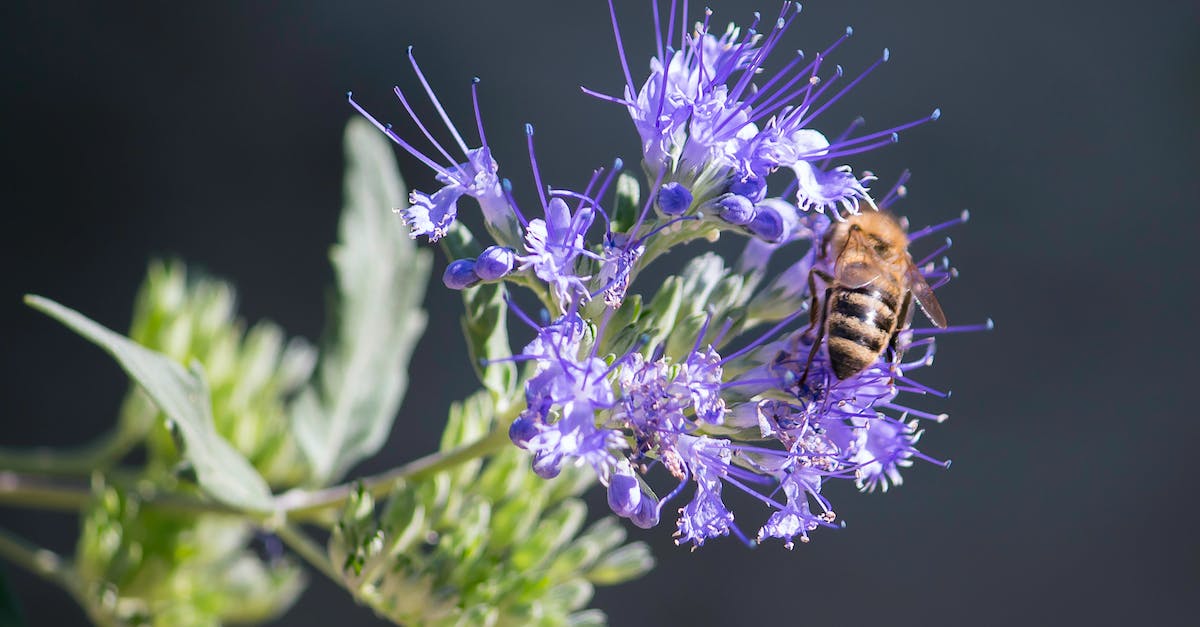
x=705, y=517
x=796, y=518
x=721, y=118
x=700, y=374
x=712, y=113
x=432, y=215
x=554, y=244
x=574, y=387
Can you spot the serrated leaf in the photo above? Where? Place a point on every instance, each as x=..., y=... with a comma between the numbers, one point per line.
x=222, y=472
x=345, y=415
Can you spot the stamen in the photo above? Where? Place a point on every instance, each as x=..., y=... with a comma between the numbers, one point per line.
x=847, y=88
x=649, y=203
x=436, y=103
x=916, y=412
x=614, y=99
x=811, y=69
x=396, y=138
x=478, y=116
x=658, y=38
x=859, y=121
x=537, y=175
x=967, y=328
x=612, y=12
x=961, y=219
x=670, y=28
x=424, y=131
x=941, y=249
x=898, y=190
x=506, y=188
x=764, y=337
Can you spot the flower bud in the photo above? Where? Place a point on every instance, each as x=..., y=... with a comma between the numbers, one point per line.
x=522, y=430
x=495, y=262
x=646, y=515
x=751, y=186
x=736, y=209
x=767, y=224
x=624, y=493
x=460, y=274
x=674, y=199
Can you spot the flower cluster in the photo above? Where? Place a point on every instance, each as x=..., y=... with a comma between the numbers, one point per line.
x=628, y=388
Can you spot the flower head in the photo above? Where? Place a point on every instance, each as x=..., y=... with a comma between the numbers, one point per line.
x=636, y=386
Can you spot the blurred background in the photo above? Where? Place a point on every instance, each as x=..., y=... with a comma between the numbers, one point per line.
x=212, y=132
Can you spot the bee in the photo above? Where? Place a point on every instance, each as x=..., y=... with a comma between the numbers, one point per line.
x=871, y=282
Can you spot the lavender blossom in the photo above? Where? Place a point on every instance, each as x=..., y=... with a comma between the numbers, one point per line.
x=624, y=382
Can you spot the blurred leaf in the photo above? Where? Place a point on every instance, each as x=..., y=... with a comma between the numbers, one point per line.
x=627, y=204
x=345, y=415
x=222, y=472
x=188, y=316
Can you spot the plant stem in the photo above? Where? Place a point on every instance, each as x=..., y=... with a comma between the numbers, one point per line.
x=302, y=504
x=41, y=493
x=23, y=489
x=50, y=566
x=83, y=460
x=36, y=492
x=308, y=549
x=41, y=562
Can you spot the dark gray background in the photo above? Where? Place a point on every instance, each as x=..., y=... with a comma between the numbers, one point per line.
x=213, y=133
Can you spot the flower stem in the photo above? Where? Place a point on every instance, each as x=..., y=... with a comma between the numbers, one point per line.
x=303, y=504
x=40, y=492
x=308, y=549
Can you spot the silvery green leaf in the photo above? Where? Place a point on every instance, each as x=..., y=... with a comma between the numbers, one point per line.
x=345, y=414
x=555, y=530
x=222, y=472
x=658, y=318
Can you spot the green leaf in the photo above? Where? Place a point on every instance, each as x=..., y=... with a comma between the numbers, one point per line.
x=345, y=415
x=222, y=472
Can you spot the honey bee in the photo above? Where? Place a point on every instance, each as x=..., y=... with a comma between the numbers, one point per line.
x=871, y=282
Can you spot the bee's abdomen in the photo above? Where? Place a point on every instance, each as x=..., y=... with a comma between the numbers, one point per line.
x=860, y=325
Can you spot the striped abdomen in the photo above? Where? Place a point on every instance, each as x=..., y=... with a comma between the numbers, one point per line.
x=860, y=322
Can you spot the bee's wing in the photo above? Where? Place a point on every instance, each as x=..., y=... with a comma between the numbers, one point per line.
x=856, y=274
x=923, y=294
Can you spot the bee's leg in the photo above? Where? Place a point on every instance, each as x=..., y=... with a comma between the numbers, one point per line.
x=902, y=322
x=812, y=353
x=812, y=290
